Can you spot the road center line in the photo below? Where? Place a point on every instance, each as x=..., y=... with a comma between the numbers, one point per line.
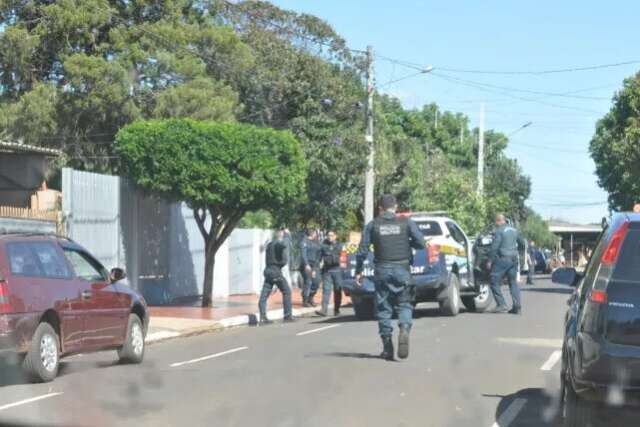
x=510, y=414
x=551, y=362
x=33, y=399
x=211, y=356
x=317, y=330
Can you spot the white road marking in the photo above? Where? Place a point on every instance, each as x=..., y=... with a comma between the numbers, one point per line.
x=33, y=399
x=551, y=362
x=212, y=356
x=510, y=414
x=324, y=328
x=533, y=342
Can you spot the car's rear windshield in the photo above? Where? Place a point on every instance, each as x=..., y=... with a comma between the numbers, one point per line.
x=628, y=267
x=429, y=228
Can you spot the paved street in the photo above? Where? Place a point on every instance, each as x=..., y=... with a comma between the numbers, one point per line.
x=472, y=370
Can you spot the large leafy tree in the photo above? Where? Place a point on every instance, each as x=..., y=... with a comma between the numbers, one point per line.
x=615, y=147
x=221, y=170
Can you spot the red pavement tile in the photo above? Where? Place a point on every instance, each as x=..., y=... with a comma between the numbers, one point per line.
x=234, y=305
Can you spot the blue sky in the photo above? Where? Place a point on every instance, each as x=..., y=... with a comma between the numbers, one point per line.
x=505, y=36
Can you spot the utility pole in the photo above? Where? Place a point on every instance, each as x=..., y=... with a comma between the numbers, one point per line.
x=370, y=174
x=436, y=117
x=461, y=133
x=481, y=152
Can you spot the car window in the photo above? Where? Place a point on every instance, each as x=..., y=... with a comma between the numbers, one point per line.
x=628, y=267
x=456, y=233
x=52, y=264
x=23, y=261
x=85, y=267
x=429, y=228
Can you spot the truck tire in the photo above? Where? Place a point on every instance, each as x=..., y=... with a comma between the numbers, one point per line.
x=449, y=298
x=481, y=302
x=364, y=308
x=132, y=350
x=42, y=360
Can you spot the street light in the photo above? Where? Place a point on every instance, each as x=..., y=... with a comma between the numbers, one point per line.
x=526, y=125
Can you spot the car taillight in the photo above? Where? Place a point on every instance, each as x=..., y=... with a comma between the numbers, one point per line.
x=599, y=297
x=433, y=253
x=4, y=297
x=610, y=255
x=343, y=259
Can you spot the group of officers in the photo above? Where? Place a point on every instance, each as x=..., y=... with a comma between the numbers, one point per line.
x=319, y=264
x=392, y=237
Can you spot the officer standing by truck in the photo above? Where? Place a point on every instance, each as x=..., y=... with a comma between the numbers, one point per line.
x=277, y=254
x=310, y=253
x=331, y=273
x=504, y=262
x=392, y=238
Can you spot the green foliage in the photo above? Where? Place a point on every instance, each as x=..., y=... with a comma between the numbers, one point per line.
x=225, y=167
x=615, y=147
x=536, y=229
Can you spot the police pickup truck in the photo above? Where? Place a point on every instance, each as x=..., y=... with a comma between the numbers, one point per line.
x=442, y=273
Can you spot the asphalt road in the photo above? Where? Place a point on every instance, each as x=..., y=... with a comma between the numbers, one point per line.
x=471, y=370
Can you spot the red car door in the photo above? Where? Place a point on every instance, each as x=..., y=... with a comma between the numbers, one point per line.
x=42, y=280
x=107, y=313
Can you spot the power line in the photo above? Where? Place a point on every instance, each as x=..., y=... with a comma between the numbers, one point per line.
x=542, y=72
x=462, y=82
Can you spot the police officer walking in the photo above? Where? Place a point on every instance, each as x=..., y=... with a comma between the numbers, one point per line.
x=392, y=238
x=504, y=262
x=331, y=273
x=277, y=254
x=531, y=257
x=310, y=253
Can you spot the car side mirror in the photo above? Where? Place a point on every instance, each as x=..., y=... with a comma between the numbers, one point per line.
x=117, y=274
x=566, y=276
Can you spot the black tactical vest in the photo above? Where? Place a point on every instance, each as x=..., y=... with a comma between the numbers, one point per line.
x=390, y=238
x=275, y=254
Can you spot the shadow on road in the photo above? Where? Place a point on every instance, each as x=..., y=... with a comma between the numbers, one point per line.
x=540, y=409
x=348, y=355
x=564, y=291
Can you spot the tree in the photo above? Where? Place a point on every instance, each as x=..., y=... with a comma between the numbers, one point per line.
x=221, y=170
x=537, y=229
x=615, y=147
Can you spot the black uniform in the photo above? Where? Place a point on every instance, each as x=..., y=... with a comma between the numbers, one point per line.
x=392, y=238
x=277, y=255
x=331, y=275
x=310, y=253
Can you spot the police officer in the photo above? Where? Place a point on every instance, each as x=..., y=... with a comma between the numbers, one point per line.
x=504, y=262
x=310, y=253
x=331, y=273
x=392, y=238
x=531, y=257
x=277, y=255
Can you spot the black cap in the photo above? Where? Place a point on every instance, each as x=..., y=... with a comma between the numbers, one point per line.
x=388, y=201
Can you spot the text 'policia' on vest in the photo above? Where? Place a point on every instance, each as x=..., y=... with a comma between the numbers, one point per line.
x=390, y=239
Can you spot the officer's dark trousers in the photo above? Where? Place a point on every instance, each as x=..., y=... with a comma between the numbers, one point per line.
x=505, y=267
x=394, y=290
x=530, y=274
x=311, y=282
x=332, y=279
x=273, y=277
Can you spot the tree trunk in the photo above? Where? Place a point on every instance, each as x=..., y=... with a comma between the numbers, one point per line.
x=209, y=264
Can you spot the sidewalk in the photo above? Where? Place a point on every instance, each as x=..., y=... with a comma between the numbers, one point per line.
x=168, y=322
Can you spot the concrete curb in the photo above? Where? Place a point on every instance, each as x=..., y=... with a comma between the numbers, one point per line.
x=229, y=322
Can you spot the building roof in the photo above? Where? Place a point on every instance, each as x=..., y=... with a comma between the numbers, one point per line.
x=16, y=147
x=565, y=227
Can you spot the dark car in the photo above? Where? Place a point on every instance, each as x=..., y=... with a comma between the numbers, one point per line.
x=541, y=265
x=56, y=299
x=601, y=348
x=442, y=273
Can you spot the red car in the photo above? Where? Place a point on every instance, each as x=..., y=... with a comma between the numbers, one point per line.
x=56, y=299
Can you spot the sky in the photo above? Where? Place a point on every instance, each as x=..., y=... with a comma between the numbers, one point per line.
x=492, y=35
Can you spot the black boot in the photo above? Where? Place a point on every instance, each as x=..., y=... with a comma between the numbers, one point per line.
x=403, y=342
x=310, y=300
x=387, y=348
x=265, y=321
